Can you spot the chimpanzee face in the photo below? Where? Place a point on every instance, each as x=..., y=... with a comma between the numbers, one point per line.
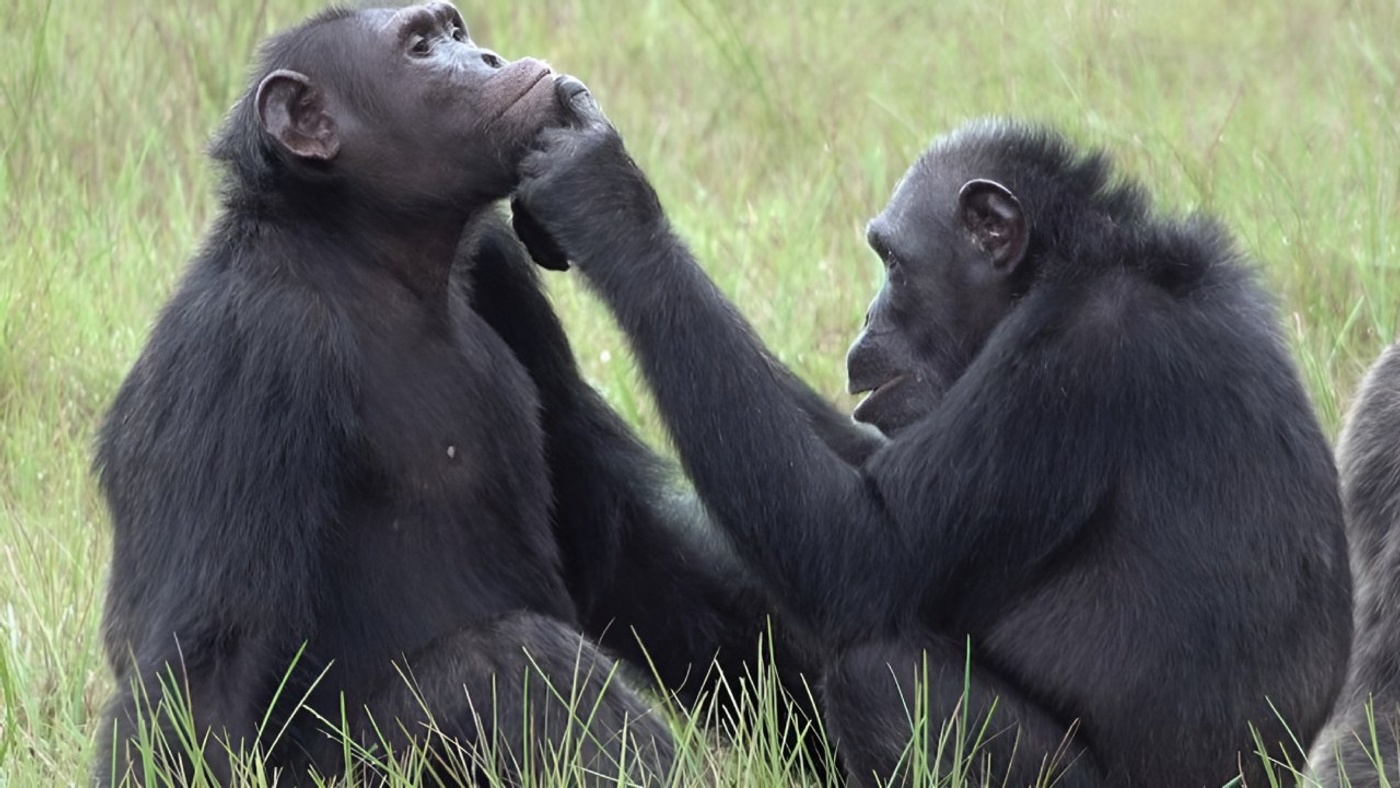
x=949, y=247
x=404, y=103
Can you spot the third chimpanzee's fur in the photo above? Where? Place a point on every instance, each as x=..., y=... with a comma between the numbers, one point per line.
x=1369, y=457
x=350, y=448
x=1104, y=505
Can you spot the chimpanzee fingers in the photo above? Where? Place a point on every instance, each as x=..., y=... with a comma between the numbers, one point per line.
x=578, y=100
x=538, y=242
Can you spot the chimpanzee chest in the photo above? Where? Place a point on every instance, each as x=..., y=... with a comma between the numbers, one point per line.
x=455, y=498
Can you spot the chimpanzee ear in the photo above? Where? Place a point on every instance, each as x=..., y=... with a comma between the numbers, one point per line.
x=993, y=215
x=293, y=111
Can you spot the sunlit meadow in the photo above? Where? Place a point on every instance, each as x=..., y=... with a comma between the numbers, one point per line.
x=773, y=130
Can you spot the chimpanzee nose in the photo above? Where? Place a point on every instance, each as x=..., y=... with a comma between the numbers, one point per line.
x=492, y=59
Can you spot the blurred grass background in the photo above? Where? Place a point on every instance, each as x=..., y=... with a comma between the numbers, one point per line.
x=773, y=129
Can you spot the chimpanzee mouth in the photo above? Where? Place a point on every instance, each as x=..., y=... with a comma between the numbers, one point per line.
x=872, y=389
x=875, y=392
x=545, y=72
x=528, y=84
x=882, y=401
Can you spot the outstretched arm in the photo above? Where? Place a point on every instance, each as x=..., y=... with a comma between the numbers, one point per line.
x=852, y=442
x=650, y=578
x=796, y=507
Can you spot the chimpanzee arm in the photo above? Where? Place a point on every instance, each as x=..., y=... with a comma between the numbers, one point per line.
x=641, y=561
x=221, y=460
x=806, y=517
x=821, y=530
x=1019, y=455
x=850, y=441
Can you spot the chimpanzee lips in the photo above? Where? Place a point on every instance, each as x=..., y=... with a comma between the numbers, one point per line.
x=528, y=73
x=874, y=387
x=875, y=392
x=544, y=73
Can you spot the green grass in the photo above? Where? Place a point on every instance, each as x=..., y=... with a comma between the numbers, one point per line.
x=772, y=129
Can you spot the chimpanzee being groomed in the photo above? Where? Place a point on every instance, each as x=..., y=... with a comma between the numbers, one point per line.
x=1362, y=742
x=1105, y=516
x=356, y=480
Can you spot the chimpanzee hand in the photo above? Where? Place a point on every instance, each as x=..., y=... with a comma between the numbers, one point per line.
x=542, y=248
x=579, y=191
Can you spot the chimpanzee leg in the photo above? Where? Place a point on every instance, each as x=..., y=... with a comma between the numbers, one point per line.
x=523, y=695
x=875, y=693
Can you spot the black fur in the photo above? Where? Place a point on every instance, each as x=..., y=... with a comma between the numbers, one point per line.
x=358, y=459
x=1103, y=475
x=1369, y=460
x=649, y=576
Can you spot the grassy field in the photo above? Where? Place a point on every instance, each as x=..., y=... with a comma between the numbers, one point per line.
x=773, y=129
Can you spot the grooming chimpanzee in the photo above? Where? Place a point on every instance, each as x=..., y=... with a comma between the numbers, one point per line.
x=343, y=451
x=1104, y=503
x=1369, y=459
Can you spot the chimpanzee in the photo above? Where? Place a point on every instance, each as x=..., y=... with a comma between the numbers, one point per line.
x=355, y=478
x=1104, y=530
x=1364, y=743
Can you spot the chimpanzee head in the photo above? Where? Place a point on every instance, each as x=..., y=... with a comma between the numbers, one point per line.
x=396, y=106
x=952, y=245
x=991, y=214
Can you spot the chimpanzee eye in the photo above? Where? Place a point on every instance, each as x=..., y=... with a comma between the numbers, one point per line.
x=459, y=33
x=894, y=272
x=420, y=46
